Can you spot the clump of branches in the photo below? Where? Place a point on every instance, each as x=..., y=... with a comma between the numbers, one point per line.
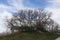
x=30, y=20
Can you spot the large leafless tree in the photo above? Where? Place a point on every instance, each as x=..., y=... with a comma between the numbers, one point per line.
x=33, y=20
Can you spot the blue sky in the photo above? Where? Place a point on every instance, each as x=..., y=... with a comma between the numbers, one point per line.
x=29, y=3
x=35, y=3
x=7, y=7
x=3, y=1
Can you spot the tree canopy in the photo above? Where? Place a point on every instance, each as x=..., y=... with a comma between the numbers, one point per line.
x=33, y=20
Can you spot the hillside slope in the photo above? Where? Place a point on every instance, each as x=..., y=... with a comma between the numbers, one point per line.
x=30, y=36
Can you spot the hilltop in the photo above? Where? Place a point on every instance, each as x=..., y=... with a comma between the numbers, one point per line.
x=30, y=36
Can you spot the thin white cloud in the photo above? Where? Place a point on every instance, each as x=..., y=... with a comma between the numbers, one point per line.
x=3, y=13
x=54, y=7
x=54, y=3
x=17, y=4
x=6, y=10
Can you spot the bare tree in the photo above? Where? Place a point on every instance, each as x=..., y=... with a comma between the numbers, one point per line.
x=26, y=20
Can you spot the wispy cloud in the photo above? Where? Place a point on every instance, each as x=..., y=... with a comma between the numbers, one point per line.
x=3, y=13
x=5, y=10
x=54, y=7
x=17, y=4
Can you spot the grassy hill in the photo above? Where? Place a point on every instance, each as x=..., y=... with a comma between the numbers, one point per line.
x=30, y=36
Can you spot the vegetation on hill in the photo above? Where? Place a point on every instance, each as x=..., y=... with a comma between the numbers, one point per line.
x=32, y=20
x=30, y=36
x=29, y=23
